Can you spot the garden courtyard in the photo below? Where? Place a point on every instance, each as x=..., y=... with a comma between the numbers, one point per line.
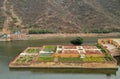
x=66, y=56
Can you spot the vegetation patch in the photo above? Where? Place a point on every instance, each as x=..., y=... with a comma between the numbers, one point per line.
x=71, y=60
x=33, y=50
x=101, y=31
x=94, y=59
x=42, y=31
x=77, y=41
x=50, y=48
x=45, y=55
x=24, y=59
x=46, y=59
x=105, y=51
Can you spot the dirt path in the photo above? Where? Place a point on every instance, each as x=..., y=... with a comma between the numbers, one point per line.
x=18, y=20
x=8, y=18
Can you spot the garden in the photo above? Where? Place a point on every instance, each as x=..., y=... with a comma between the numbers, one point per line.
x=108, y=57
x=94, y=59
x=70, y=47
x=50, y=48
x=86, y=59
x=32, y=50
x=66, y=55
x=46, y=59
x=24, y=60
x=70, y=52
x=45, y=54
x=70, y=60
x=90, y=47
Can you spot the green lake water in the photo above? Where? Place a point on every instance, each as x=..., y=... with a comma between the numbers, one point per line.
x=9, y=50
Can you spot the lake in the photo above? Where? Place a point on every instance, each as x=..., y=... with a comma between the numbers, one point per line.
x=9, y=50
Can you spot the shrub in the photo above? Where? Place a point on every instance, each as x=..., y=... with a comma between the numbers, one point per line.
x=101, y=31
x=42, y=31
x=77, y=41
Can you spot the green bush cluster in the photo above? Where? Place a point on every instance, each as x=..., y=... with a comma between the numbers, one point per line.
x=108, y=58
x=39, y=31
x=106, y=52
x=101, y=31
x=77, y=41
x=102, y=48
x=15, y=20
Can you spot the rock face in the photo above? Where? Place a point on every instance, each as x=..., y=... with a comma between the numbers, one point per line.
x=66, y=15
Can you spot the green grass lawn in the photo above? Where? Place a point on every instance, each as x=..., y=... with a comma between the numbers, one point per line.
x=33, y=50
x=87, y=59
x=70, y=60
x=45, y=59
x=25, y=59
x=50, y=48
x=94, y=59
x=45, y=55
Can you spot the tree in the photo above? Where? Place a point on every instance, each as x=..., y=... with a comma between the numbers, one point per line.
x=77, y=41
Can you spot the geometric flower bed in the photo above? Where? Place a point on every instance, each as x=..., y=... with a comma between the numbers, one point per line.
x=46, y=59
x=89, y=47
x=70, y=60
x=94, y=59
x=45, y=54
x=24, y=60
x=32, y=50
x=64, y=54
x=69, y=47
x=49, y=48
x=95, y=53
x=70, y=52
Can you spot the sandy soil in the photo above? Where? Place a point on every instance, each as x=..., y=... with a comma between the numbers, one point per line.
x=41, y=36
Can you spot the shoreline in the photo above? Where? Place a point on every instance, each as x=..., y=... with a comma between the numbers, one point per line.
x=15, y=37
x=44, y=36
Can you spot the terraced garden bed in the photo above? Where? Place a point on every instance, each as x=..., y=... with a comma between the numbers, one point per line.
x=50, y=48
x=70, y=56
x=70, y=60
x=45, y=54
x=32, y=50
x=93, y=52
x=24, y=59
x=78, y=60
x=90, y=47
x=108, y=58
x=70, y=52
x=46, y=59
x=94, y=59
x=70, y=47
x=59, y=51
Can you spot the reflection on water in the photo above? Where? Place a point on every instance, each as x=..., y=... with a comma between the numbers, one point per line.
x=118, y=60
x=83, y=71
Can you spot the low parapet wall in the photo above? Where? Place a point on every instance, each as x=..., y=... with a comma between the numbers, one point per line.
x=92, y=65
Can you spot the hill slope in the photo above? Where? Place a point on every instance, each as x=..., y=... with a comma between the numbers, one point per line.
x=66, y=15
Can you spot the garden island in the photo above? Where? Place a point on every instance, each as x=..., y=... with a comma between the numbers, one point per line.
x=67, y=56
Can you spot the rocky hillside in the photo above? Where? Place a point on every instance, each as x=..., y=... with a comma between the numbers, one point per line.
x=63, y=16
